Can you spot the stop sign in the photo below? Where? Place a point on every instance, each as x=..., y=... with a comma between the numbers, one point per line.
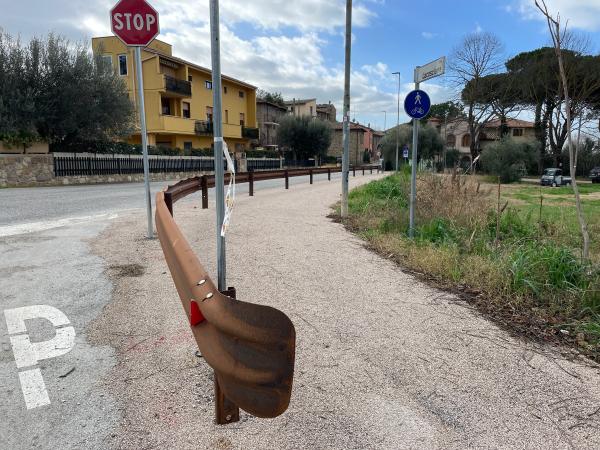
x=135, y=22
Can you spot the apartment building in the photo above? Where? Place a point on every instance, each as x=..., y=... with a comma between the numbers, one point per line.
x=307, y=107
x=269, y=116
x=456, y=133
x=179, y=98
x=327, y=112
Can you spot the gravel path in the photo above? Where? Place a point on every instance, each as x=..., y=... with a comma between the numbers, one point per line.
x=383, y=360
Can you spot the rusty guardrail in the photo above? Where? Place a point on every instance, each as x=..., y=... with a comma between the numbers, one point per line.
x=250, y=347
x=204, y=182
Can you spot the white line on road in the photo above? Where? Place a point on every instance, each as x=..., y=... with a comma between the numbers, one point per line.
x=32, y=227
x=34, y=389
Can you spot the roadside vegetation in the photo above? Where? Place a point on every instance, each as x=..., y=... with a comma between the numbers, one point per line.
x=523, y=266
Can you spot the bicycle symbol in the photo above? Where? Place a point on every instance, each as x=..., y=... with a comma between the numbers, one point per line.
x=419, y=111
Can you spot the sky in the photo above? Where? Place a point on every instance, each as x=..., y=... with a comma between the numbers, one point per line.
x=296, y=47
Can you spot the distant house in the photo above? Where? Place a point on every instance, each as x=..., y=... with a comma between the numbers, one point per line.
x=456, y=133
x=362, y=139
x=268, y=117
x=519, y=130
x=299, y=108
x=326, y=112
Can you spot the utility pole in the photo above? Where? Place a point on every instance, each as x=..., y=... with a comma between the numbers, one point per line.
x=346, y=140
x=218, y=140
x=384, y=120
x=398, y=122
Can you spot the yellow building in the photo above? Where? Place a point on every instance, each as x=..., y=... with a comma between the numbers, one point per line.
x=179, y=97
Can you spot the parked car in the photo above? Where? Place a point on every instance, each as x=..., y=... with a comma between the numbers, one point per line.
x=595, y=175
x=554, y=177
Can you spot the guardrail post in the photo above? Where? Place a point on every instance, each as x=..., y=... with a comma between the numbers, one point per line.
x=225, y=410
x=371, y=170
x=363, y=170
x=204, y=187
x=329, y=174
x=310, y=173
x=251, y=183
x=287, y=180
x=353, y=171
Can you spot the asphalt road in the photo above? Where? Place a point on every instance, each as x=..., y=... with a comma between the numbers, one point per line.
x=52, y=393
x=42, y=206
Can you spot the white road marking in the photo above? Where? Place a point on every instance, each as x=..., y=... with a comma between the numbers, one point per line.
x=34, y=389
x=25, y=228
x=28, y=354
x=15, y=318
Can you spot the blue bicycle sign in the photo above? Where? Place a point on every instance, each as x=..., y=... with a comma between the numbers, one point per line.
x=417, y=104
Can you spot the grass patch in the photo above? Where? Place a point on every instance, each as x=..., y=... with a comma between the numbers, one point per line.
x=525, y=268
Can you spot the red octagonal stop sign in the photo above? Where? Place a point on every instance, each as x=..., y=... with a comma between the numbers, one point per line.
x=135, y=22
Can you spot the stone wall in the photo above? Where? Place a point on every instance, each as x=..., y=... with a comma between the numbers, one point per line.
x=26, y=170
x=38, y=170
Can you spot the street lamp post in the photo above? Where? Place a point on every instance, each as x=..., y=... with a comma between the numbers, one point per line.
x=346, y=126
x=384, y=120
x=398, y=122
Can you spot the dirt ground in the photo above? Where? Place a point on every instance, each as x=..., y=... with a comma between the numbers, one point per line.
x=383, y=360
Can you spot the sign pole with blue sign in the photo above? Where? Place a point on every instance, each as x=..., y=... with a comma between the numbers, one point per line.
x=417, y=105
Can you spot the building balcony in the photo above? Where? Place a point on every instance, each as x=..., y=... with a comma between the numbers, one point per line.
x=249, y=133
x=174, y=124
x=177, y=88
x=204, y=128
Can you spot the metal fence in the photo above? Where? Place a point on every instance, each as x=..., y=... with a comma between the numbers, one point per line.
x=300, y=163
x=263, y=164
x=118, y=165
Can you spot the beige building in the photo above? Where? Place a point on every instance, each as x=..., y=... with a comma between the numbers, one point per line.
x=179, y=98
x=456, y=133
x=327, y=112
x=269, y=115
x=300, y=108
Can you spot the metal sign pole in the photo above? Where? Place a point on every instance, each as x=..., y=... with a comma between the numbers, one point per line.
x=413, y=179
x=398, y=124
x=218, y=140
x=346, y=139
x=142, y=112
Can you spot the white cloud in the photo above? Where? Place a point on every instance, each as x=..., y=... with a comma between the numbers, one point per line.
x=277, y=45
x=583, y=14
x=428, y=34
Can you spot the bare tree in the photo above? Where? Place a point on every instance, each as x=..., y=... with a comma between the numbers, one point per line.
x=557, y=33
x=477, y=56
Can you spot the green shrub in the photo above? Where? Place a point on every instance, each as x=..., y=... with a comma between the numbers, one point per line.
x=543, y=268
x=508, y=159
x=512, y=225
x=439, y=231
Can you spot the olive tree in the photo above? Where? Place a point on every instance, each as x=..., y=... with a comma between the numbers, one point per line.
x=58, y=92
x=304, y=136
x=431, y=143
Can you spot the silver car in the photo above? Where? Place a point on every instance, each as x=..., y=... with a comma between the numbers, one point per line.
x=554, y=177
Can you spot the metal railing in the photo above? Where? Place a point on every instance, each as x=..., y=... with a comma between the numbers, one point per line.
x=177, y=86
x=254, y=164
x=119, y=165
x=203, y=127
x=249, y=133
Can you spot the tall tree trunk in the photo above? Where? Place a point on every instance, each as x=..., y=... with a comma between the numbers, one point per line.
x=539, y=135
x=556, y=32
x=546, y=124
